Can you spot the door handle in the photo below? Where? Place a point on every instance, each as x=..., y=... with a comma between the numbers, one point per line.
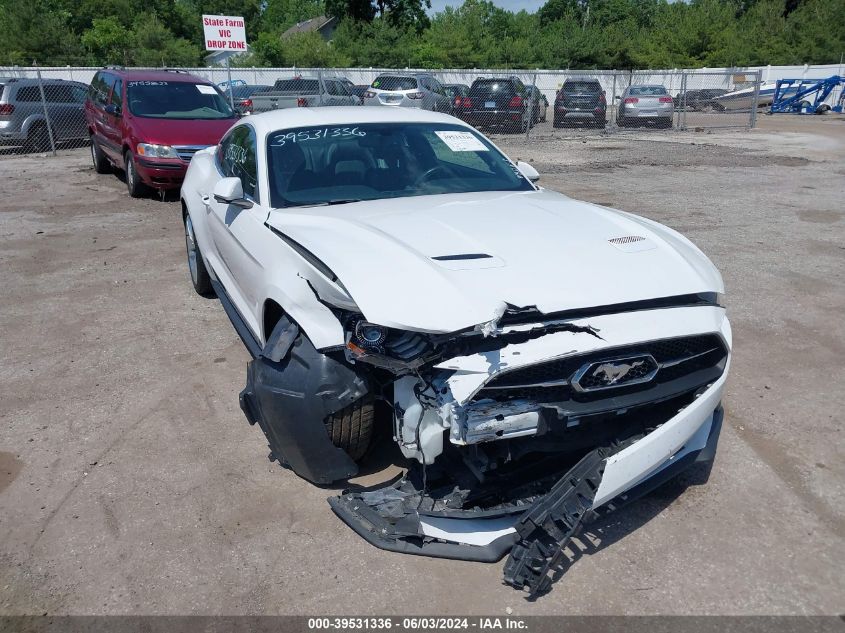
x=206, y=199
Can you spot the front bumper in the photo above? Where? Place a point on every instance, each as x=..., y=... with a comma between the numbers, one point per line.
x=161, y=173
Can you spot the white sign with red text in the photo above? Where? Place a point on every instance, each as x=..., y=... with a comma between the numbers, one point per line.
x=224, y=33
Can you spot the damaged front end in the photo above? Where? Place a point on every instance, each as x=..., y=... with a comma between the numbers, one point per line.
x=518, y=429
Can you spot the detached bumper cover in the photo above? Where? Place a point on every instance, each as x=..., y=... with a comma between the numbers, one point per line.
x=400, y=518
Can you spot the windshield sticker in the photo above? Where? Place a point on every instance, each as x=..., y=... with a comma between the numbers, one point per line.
x=147, y=83
x=462, y=141
x=304, y=136
x=206, y=90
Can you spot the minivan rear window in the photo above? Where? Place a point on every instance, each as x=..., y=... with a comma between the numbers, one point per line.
x=393, y=82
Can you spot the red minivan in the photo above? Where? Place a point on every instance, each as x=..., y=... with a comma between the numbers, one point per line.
x=150, y=124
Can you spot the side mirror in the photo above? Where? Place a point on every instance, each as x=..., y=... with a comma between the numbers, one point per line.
x=528, y=171
x=113, y=110
x=231, y=191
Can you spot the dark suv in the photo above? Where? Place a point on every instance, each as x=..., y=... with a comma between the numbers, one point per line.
x=150, y=124
x=581, y=102
x=497, y=103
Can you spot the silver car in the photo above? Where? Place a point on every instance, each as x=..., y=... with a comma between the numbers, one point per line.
x=645, y=104
x=22, y=118
x=411, y=90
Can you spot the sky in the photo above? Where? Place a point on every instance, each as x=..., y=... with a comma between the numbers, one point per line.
x=510, y=5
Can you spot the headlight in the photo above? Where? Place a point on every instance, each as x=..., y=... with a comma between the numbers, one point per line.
x=156, y=151
x=384, y=347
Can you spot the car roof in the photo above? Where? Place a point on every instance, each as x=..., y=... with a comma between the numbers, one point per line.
x=157, y=75
x=274, y=120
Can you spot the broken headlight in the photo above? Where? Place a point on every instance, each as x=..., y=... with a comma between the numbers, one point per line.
x=384, y=347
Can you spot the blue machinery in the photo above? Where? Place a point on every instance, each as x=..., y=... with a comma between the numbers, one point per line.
x=806, y=96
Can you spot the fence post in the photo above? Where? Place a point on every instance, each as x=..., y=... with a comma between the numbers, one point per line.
x=753, y=120
x=229, y=77
x=613, y=105
x=531, y=106
x=46, y=113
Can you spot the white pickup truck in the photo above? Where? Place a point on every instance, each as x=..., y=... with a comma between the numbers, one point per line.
x=305, y=92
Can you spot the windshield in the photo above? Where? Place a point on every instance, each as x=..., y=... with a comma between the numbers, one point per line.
x=648, y=91
x=336, y=164
x=392, y=82
x=176, y=100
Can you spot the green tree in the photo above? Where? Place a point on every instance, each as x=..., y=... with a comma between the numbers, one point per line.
x=107, y=41
x=153, y=44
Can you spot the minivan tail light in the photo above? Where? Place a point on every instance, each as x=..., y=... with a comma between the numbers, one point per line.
x=6, y=109
x=665, y=99
x=602, y=98
x=301, y=102
x=415, y=95
x=631, y=100
x=516, y=102
x=246, y=103
x=466, y=102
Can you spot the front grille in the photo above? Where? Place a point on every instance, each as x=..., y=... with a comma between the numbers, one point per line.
x=186, y=152
x=699, y=359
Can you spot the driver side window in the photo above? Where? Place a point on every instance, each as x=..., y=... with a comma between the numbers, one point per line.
x=236, y=157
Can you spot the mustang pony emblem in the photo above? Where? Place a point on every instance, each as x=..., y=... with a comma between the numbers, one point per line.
x=615, y=372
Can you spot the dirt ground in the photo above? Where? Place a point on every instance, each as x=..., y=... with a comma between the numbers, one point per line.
x=130, y=481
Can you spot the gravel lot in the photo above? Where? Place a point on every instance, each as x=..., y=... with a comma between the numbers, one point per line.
x=130, y=481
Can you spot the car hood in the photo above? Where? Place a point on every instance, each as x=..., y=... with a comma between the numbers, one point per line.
x=539, y=248
x=180, y=131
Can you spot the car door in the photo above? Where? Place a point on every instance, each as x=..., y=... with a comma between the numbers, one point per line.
x=98, y=98
x=442, y=99
x=232, y=227
x=113, y=120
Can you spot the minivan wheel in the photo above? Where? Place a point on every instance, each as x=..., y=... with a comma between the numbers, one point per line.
x=101, y=163
x=196, y=266
x=133, y=182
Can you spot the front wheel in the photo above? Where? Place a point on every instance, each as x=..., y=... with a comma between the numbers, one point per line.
x=351, y=428
x=136, y=188
x=196, y=266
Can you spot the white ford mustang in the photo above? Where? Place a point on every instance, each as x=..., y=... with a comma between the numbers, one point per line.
x=535, y=358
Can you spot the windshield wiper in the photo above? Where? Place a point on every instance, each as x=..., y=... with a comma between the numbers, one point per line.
x=326, y=203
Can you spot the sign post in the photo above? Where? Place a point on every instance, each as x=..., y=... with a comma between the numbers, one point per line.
x=225, y=33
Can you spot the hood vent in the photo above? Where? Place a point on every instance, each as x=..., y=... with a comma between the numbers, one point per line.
x=626, y=240
x=632, y=243
x=462, y=257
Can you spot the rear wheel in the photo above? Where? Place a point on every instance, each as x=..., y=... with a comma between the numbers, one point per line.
x=37, y=138
x=101, y=163
x=133, y=182
x=351, y=428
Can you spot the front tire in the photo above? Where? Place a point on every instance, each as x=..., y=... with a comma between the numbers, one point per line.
x=136, y=188
x=351, y=428
x=200, y=278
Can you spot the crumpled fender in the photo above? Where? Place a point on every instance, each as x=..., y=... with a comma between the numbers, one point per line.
x=291, y=388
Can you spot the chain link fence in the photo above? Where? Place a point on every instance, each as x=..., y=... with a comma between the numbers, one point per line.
x=42, y=110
